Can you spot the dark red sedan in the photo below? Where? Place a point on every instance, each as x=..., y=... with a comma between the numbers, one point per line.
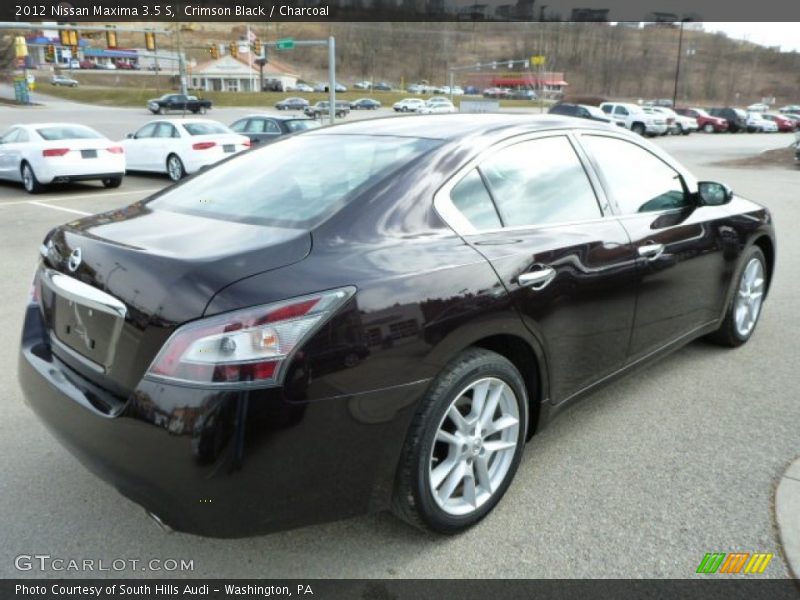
x=783, y=122
x=705, y=122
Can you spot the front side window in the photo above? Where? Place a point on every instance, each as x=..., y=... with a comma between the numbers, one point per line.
x=636, y=179
x=10, y=137
x=540, y=182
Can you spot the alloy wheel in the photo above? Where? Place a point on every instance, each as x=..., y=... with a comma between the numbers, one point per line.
x=474, y=446
x=27, y=178
x=174, y=168
x=749, y=297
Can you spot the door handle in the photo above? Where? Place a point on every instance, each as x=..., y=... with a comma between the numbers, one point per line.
x=537, y=279
x=651, y=251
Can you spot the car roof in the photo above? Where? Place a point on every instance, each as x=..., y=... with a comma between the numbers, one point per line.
x=456, y=126
x=276, y=117
x=177, y=121
x=51, y=124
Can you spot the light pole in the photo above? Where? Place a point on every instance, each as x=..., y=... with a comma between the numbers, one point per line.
x=678, y=63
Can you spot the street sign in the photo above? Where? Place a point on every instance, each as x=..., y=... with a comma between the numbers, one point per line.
x=538, y=60
x=285, y=44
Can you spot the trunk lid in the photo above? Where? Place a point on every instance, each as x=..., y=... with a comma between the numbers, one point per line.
x=162, y=279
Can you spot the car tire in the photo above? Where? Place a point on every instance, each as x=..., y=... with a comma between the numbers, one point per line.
x=638, y=129
x=175, y=168
x=424, y=494
x=741, y=316
x=708, y=128
x=29, y=181
x=112, y=182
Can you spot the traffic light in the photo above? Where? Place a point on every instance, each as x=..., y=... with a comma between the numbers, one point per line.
x=63, y=36
x=214, y=51
x=73, y=37
x=20, y=47
x=257, y=47
x=150, y=41
x=50, y=53
x=111, y=38
x=234, y=49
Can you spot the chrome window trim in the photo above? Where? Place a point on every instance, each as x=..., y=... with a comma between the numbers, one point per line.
x=456, y=220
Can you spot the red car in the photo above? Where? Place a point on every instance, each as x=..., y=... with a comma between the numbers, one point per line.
x=784, y=122
x=705, y=121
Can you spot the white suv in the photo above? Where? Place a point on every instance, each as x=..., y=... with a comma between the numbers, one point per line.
x=639, y=119
x=409, y=105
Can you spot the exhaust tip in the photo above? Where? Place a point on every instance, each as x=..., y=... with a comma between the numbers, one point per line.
x=161, y=525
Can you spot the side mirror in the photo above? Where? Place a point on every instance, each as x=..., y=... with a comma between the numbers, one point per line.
x=711, y=193
x=131, y=136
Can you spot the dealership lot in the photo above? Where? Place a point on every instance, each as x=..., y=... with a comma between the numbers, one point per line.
x=642, y=479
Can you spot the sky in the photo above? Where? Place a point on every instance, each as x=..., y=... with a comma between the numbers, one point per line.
x=785, y=35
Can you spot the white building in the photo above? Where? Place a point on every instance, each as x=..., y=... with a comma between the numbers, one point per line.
x=229, y=74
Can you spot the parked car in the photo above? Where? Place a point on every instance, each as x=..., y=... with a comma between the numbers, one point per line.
x=365, y=104
x=63, y=80
x=416, y=88
x=790, y=108
x=456, y=91
x=756, y=123
x=181, y=147
x=582, y=111
x=292, y=104
x=736, y=117
x=86, y=64
x=437, y=105
x=216, y=301
x=522, y=95
x=496, y=92
x=382, y=87
x=705, y=121
x=74, y=63
x=322, y=109
x=303, y=87
x=178, y=102
x=642, y=120
x=105, y=66
x=121, y=64
x=266, y=128
x=783, y=122
x=758, y=107
x=363, y=85
x=408, y=105
x=471, y=90
x=41, y=154
x=677, y=124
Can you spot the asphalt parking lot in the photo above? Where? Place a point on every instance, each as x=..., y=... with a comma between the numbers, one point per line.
x=640, y=480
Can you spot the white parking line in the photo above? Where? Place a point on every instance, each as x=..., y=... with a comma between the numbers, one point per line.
x=79, y=196
x=71, y=210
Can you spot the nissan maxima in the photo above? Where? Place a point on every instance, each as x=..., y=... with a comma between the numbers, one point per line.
x=380, y=325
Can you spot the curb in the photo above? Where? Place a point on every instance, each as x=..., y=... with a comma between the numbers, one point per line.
x=787, y=516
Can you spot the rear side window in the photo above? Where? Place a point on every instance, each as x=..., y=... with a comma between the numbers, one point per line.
x=301, y=125
x=471, y=197
x=638, y=180
x=294, y=182
x=540, y=182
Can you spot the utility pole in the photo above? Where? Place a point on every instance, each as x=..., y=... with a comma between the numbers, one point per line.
x=332, y=79
x=678, y=63
x=181, y=64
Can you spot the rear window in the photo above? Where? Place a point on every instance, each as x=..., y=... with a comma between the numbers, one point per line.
x=296, y=182
x=68, y=132
x=205, y=128
x=301, y=124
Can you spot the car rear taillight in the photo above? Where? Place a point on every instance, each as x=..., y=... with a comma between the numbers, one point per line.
x=55, y=152
x=116, y=150
x=203, y=145
x=245, y=346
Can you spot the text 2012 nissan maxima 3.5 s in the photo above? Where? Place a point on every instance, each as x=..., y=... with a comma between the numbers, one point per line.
x=382, y=324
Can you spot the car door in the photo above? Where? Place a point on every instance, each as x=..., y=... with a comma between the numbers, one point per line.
x=138, y=149
x=8, y=150
x=532, y=209
x=165, y=141
x=678, y=243
x=620, y=115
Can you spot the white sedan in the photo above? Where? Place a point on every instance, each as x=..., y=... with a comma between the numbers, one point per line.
x=180, y=147
x=408, y=105
x=45, y=153
x=436, y=106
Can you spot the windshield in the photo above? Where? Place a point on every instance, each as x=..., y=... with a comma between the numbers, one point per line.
x=68, y=132
x=205, y=128
x=302, y=124
x=296, y=182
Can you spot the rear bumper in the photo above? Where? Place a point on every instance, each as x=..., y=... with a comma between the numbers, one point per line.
x=79, y=170
x=224, y=464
